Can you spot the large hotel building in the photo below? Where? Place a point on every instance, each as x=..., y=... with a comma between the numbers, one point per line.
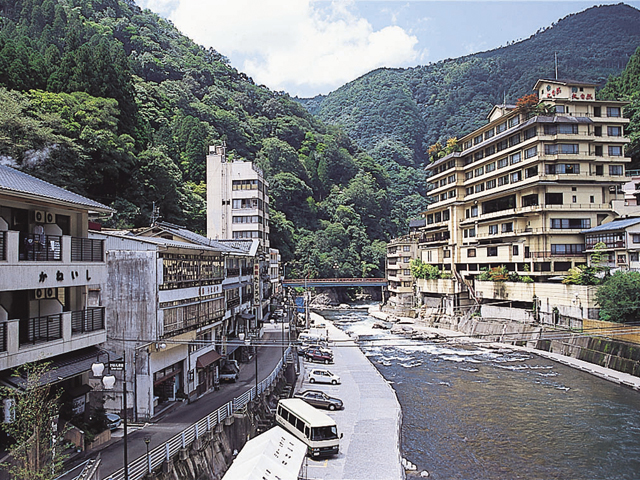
x=523, y=188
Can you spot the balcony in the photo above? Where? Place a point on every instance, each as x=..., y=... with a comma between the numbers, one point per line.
x=89, y=320
x=557, y=294
x=40, y=248
x=40, y=329
x=441, y=286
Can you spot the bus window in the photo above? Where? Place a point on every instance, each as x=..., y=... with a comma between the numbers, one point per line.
x=299, y=424
x=324, y=433
x=306, y=431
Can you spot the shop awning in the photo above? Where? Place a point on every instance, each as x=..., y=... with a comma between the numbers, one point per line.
x=207, y=359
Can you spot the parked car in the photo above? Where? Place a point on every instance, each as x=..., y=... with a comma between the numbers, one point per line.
x=323, y=376
x=316, y=346
x=315, y=355
x=320, y=399
x=113, y=421
x=229, y=371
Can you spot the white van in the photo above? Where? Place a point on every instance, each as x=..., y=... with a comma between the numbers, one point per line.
x=316, y=429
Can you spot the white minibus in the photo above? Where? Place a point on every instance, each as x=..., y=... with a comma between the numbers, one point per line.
x=316, y=429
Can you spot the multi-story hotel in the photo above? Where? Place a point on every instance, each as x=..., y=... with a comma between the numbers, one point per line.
x=237, y=199
x=525, y=185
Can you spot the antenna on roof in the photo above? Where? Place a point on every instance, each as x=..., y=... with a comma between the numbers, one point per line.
x=504, y=97
x=155, y=214
x=555, y=54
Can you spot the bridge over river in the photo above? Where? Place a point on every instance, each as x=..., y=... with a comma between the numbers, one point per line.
x=335, y=282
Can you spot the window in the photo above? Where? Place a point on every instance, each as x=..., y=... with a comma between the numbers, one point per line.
x=559, y=108
x=490, y=167
x=490, y=150
x=452, y=193
x=477, y=140
x=491, y=184
x=406, y=248
x=513, y=121
x=406, y=271
x=469, y=233
x=616, y=170
x=597, y=131
x=530, y=200
x=501, y=128
x=447, y=254
x=613, y=112
x=478, y=171
x=467, y=145
x=451, y=179
x=567, y=168
x=503, y=180
x=406, y=259
x=443, y=182
x=516, y=176
x=615, y=151
x=471, y=252
x=469, y=190
x=430, y=219
x=492, y=251
x=622, y=259
x=531, y=172
x=597, y=111
x=592, y=199
x=445, y=215
x=633, y=256
x=443, y=197
x=515, y=250
x=636, y=237
x=474, y=211
x=514, y=140
x=562, y=148
x=568, y=128
x=515, y=158
x=478, y=155
x=567, y=249
x=437, y=217
x=468, y=175
x=507, y=227
x=244, y=185
x=501, y=145
x=553, y=198
x=531, y=152
x=493, y=229
x=570, y=223
x=614, y=131
x=598, y=151
x=574, y=199
x=489, y=133
x=467, y=160
x=529, y=133
x=479, y=188
x=503, y=162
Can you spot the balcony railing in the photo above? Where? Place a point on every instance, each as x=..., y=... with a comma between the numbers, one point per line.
x=87, y=250
x=89, y=320
x=233, y=272
x=40, y=248
x=40, y=329
x=3, y=244
x=3, y=337
x=549, y=254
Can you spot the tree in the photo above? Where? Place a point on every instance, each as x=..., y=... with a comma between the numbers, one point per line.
x=619, y=297
x=37, y=450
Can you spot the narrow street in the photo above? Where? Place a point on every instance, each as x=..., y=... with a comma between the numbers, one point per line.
x=186, y=414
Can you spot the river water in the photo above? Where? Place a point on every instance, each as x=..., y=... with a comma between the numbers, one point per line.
x=470, y=412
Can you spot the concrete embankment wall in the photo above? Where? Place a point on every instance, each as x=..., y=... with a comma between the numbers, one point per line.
x=598, y=350
x=209, y=457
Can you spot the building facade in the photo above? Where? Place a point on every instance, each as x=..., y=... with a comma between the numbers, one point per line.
x=51, y=280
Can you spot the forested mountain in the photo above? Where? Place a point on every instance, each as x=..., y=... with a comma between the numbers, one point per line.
x=114, y=103
x=413, y=108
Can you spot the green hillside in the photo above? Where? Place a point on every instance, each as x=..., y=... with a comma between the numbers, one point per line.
x=418, y=106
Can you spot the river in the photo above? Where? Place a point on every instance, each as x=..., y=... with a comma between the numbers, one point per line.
x=471, y=412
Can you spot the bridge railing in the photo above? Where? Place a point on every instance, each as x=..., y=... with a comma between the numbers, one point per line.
x=334, y=280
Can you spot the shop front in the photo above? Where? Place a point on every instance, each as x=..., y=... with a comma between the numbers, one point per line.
x=207, y=366
x=167, y=384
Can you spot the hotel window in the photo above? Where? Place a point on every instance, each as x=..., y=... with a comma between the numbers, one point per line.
x=430, y=219
x=507, y=227
x=474, y=211
x=615, y=151
x=451, y=164
x=530, y=200
x=452, y=193
x=468, y=175
x=531, y=172
x=515, y=158
x=489, y=133
x=514, y=140
x=445, y=215
x=636, y=238
x=501, y=128
x=553, y=199
x=503, y=180
x=443, y=197
x=531, y=152
x=570, y=223
x=597, y=130
x=406, y=259
x=477, y=140
x=451, y=179
x=478, y=171
x=513, y=121
x=437, y=217
x=493, y=229
x=469, y=233
x=406, y=271
x=592, y=199
x=622, y=259
x=443, y=182
x=568, y=128
x=616, y=170
x=491, y=184
x=529, y=133
x=559, y=108
x=491, y=167
x=469, y=191
x=479, y=187
x=467, y=145
x=567, y=249
x=613, y=112
x=614, y=131
x=467, y=160
x=633, y=256
x=489, y=150
x=406, y=248
x=574, y=199
x=471, y=252
x=478, y=156
x=447, y=254
x=515, y=250
x=567, y=168
x=492, y=251
x=501, y=145
x=503, y=162
x=562, y=148
x=516, y=176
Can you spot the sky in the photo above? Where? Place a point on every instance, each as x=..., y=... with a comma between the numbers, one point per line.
x=311, y=47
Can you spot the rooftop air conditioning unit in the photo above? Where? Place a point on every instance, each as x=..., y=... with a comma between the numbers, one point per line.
x=51, y=292
x=39, y=293
x=38, y=216
x=49, y=217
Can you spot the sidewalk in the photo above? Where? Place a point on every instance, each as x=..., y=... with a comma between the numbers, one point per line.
x=615, y=376
x=370, y=421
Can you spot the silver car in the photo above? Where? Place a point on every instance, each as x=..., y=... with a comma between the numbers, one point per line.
x=320, y=375
x=320, y=399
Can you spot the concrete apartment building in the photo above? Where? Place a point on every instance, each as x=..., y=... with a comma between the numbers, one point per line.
x=51, y=280
x=523, y=188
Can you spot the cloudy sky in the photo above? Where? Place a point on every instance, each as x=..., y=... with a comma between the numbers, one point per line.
x=310, y=47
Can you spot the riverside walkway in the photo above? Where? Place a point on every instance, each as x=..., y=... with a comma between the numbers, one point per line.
x=370, y=421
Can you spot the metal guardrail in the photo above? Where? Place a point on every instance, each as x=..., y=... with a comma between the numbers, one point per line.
x=139, y=467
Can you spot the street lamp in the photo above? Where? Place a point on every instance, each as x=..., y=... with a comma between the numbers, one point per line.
x=108, y=382
x=147, y=440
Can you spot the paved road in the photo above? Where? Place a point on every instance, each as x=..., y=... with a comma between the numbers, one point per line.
x=187, y=414
x=370, y=420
